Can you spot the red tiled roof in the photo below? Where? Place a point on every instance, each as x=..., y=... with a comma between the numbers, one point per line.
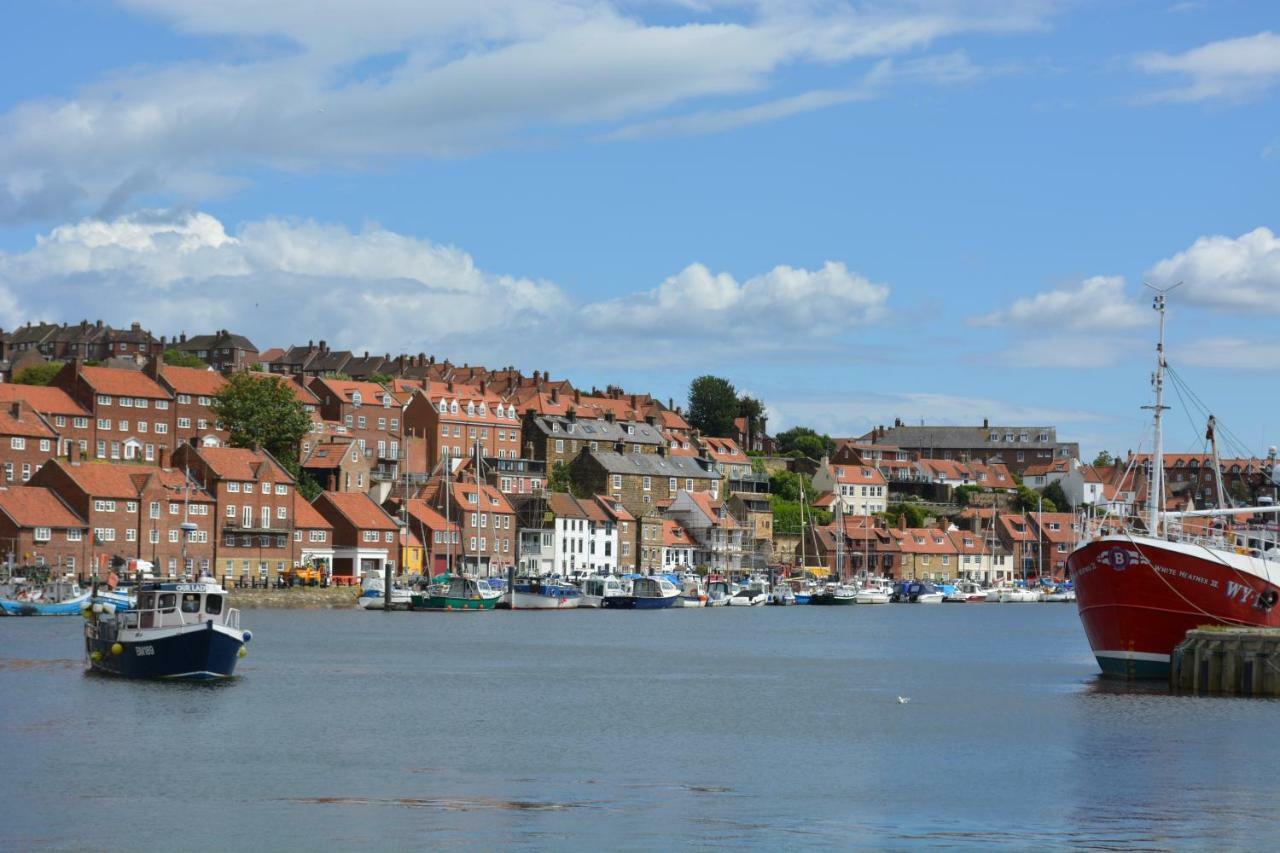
x=924, y=540
x=329, y=454
x=359, y=509
x=305, y=515
x=45, y=399
x=241, y=463
x=488, y=498
x=28, y=424
x=425, y=514
x=711, y=509
x=614, y=508
x=197, y=381
x=858, y=475
x=724, y=450
x=270, y=355
x=673, y=535
x=35, y=506
x=121, y=382
x=111, y=480
x=371, y=393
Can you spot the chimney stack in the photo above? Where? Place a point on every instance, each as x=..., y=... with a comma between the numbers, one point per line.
x=162, y=456
x=15, y=410
x=555, y=395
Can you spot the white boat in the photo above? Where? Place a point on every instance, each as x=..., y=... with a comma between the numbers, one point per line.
x=596, y=588
x=754, y=593
x=874, y=594
x=693, y=592
x=1019, y=595
x=782, y=595
x=1060, y=595
x=719, y=592
x=536, y=593
x=372, y=595
x=966, y=592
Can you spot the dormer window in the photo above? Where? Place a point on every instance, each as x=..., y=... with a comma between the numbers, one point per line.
x=386, y=401
x=484, y=411
x=471, y=408
x=356, y=399
x=444, y=407
x=453, y=407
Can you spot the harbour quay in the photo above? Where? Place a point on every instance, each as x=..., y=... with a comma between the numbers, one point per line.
x=1218, y=661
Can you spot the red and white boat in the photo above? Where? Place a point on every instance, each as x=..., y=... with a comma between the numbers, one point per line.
x=1140, y=587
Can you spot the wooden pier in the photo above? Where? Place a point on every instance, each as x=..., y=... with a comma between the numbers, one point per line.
x=1227, y=662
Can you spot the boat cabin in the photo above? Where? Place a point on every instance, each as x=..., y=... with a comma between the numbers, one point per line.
x=172, y=605
x=602, y=586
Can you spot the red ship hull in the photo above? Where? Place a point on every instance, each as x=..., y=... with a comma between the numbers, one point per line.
x=1138, y=597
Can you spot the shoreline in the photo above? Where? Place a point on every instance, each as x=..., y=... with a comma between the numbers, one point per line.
x=295, y=598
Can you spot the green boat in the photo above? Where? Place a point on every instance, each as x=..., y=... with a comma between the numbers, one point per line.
x=455, y=592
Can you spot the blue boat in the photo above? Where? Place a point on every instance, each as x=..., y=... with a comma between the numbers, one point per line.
x=55, y=598
x=175, y=631
x=647, y=593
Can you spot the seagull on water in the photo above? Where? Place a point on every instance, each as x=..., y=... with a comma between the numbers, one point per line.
x=902, y=700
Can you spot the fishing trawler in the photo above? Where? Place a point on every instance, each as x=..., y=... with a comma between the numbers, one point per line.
x=1142, y=584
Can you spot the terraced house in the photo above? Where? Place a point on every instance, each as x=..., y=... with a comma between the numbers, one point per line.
x=372, y=417
x=193, y=390
x=253, y=494
x=641, y=481
x=26, y=442
x=131, y=412
x=68, y=418
x=37, y=528
x=450, y=420
x=558, y=438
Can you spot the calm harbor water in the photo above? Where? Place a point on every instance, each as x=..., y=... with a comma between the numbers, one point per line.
x=764, y=727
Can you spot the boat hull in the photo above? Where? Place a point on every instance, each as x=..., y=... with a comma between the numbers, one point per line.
x=636, y=602
x=827, y=599
x=1138, y=597
x=400, y=600
x=193, y=652
x=542, y=601
x=451, y=603
x=70, y=607
x=691, y=601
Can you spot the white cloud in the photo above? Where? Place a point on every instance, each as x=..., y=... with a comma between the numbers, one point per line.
x=784, y=303
x=1232, y=69
x=281, y=281
x=1098, y=303
x=1236, y=274
x=1230, y=353
x=357, y=85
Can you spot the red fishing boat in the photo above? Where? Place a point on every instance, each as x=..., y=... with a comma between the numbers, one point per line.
x=1142, y=584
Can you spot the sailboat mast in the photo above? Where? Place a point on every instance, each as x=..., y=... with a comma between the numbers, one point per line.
x=1155, y=493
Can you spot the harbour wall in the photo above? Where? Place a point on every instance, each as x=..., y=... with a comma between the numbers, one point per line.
x=296, y=598
x=1227, y=662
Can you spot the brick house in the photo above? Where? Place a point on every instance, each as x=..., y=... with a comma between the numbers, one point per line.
x=131, y=413
x=224, y=351
x=860, y=489
x=558, y=438
x=193, y=390
x=254, y=508
x=487, y=520
x=312, y=536
x=641, y=480
x=136, y=512
x=450, y=419
x=36, y=528
x=372, y=416
x=338, y=465
x=365, y=537
x=927, y=553
x=68, y=418
x=440, y=538
x=1016, y=446
x=26, y=442
x=718, y=538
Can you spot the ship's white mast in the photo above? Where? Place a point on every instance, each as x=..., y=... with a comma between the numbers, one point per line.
x=1155, y=489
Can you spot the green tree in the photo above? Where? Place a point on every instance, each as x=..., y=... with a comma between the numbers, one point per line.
x=37, y=374
x=560, y=479
x=713, y=405
x=1029, y=500
x=1103, y=460
x=787, y=485
x=263, y=411
x=804, y=441
x=381, y=378
x=963, y=494
x=1053, y=494
x=178, y=358
x=753, y=410
x=913, y=513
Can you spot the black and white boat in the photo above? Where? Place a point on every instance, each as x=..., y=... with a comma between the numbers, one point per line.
x=176, y=630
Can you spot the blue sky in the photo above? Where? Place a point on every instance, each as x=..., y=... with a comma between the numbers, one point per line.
x=857, y=211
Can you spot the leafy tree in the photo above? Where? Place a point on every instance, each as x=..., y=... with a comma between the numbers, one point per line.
x=560, y=480
x=787, y=485
x=804, y=441
x=962, y=494
x=713, y=405
x=381, y=378
x=307, y=486
x=753, y=410
x=913, y=513
x=37, y=374
x=1054, y=494
x=262, y=411
x=178, y=358
x=786, y=515
x=1103, y=460
x=1029, y=500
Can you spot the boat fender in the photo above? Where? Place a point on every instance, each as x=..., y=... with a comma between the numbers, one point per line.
x=248, y=635
x=1268, y=599
x=243, y=652
x=95, y=656
x=87, y=612
x=117, y=649
x=97, y=608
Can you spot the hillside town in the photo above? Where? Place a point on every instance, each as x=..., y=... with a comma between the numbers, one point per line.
x=111, y=450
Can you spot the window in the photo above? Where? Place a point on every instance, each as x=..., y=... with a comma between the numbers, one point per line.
x=18, y=443
x=559, y=445
x=672, y=484
x=104, y=400
x=105, y=534
x=137, y=403
x=43, y=534
x=104, y=506
x=104, y=423
x=184, y=423
x=153, y=536
x=388, y=536
x=59, y=420
x=161, y=405
x=162, y=429
x=73, y=534
x=648, y=483
x=184, y=399
x=282, y=489
x=173, y=536
x=231, y=510
x=233, y=487
x=204, y=401
x=281, y=512
x=361, y=422
x=80, y=423
x=142, y=426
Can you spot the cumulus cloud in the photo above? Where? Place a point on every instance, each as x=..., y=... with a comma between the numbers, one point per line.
x=1232, y=69
x=283, y=280
x=1097, y=303
x=784, y=301
x=1235, y=274
x=356, y=84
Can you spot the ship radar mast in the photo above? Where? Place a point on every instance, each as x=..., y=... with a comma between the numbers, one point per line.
x=1155, y=486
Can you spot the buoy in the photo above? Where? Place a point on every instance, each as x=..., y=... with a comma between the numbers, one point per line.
x=248, y=635
x=95, y=656
x=243, y=651
x=117, y=649
x=87, y=612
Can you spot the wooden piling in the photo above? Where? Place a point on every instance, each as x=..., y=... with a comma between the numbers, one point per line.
x=1215, y=661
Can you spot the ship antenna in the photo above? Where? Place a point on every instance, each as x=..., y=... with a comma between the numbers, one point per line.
x=1155, y=486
